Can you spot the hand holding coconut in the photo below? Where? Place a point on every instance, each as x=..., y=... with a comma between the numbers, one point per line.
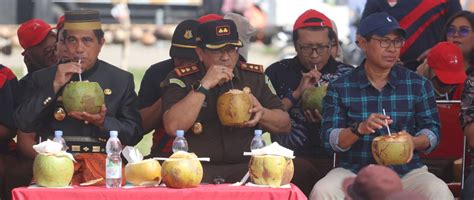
x=308, y=80
x=64, y=74
x=97, y=119
x=256, y=111
x=311, y=96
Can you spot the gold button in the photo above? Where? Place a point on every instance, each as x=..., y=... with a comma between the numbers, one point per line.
x=107, y=91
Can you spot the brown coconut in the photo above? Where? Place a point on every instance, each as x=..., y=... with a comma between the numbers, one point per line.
x=396, y=149
x=182, y=170
x=233, y=107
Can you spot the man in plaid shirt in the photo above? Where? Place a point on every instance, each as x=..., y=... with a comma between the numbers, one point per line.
x=353, y=106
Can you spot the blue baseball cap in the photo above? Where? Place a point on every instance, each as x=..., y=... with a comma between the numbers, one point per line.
x=379, y=24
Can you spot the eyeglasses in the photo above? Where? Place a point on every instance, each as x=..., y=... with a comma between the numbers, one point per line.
x=385, y=43
x=231, y=50
x=308, y=49
x=463, y=31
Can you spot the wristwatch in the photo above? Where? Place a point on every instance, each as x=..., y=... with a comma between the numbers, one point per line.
x=197, y=86
x=354, y=129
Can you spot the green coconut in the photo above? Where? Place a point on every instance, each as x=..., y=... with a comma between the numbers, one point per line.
x=312, y=98
x=271, y=170
x=50, y=170
x=83, y=96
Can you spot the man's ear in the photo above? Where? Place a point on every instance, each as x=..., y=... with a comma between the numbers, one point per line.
x=361, y=42
x=101, y=43
x=200, y=53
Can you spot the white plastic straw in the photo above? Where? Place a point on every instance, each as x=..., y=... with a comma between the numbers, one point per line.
x=80, y=77
x=316, y=67
x=386, y=123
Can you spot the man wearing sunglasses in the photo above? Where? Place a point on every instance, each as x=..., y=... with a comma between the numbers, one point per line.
x=190, y=98
x=360, y=105
x=312, y=66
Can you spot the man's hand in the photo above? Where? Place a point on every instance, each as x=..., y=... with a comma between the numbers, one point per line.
x=64, y=74
x=313, y=116
x=96, y=119
x=308, y=80
x=256, y=111
x=216, y=74
x=373, y=122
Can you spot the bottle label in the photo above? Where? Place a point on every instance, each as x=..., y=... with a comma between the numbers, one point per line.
x=113, y=169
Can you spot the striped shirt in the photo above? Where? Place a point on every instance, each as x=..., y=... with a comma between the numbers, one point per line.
x=407, y=98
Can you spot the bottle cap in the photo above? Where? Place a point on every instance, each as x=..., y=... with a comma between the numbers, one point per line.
x=258, y=132
x=58, y=133
x=113, y=133
x=179, y=133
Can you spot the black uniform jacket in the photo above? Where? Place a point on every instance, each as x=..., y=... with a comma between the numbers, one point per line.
x=36, y=112
x=221, y=143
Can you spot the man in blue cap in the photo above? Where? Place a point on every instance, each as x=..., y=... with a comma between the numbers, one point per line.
x=353, y=113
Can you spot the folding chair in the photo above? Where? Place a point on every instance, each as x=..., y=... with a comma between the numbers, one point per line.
x=452, y=136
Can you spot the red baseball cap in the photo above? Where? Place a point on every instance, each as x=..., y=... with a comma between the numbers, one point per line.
x=209, y=17
x=447, y=62
x=32, y=32
x=312, y=18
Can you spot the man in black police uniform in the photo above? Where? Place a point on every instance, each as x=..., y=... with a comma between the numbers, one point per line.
x=182, y=52
x=41, y=111
x=190, y=95
x=312, y=36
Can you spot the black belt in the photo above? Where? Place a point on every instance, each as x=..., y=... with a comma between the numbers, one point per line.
x=84, y=144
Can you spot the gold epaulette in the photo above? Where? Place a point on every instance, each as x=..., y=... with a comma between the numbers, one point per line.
x=252, y=67
x=186, y=70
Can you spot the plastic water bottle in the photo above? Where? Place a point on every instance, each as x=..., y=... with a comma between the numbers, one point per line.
x=180, y=143
x=113, y=163
x=257, y=141
x=58, y=137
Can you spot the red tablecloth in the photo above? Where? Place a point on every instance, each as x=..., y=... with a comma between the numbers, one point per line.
x=206, y=192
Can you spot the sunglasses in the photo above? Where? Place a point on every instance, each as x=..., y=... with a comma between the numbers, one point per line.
x=462, y=31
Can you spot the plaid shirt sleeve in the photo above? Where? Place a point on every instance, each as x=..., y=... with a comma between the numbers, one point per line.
x=426, y=115
x=334, y=117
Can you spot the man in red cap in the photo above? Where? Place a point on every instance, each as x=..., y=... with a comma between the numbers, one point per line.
x=312, y=66
x=446, y=70
x=38, y=40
